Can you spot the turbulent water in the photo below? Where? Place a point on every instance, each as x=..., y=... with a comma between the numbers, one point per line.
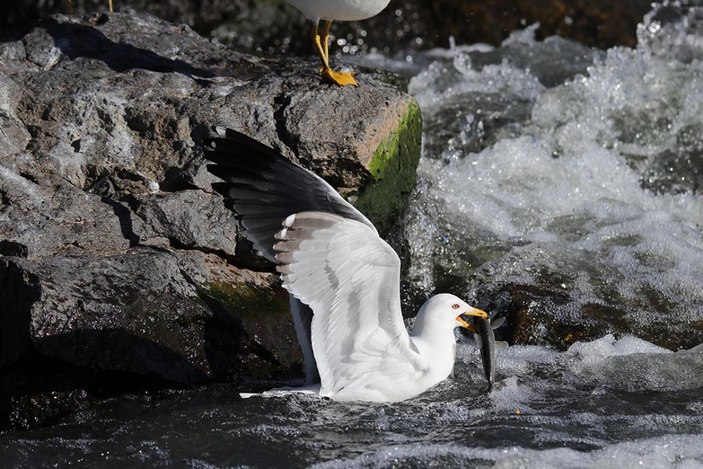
x=580, y=180
x=548, y=165
x=606, y=403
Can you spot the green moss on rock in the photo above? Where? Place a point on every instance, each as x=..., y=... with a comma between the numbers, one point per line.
x=269, y=348
x=393, y=169
x=247, y=301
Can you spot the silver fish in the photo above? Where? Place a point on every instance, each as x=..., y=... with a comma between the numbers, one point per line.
x=486, y=340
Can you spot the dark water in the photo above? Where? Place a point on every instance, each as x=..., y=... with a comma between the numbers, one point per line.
x=604, y=402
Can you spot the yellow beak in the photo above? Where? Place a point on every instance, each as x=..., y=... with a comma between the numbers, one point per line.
x=473, y=312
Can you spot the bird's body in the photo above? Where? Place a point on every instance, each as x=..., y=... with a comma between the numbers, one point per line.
x=331, y=259
x=335, y=10
x=339, y=10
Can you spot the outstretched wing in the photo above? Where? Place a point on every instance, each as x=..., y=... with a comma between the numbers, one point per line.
x=350, y=278
x=264, y=188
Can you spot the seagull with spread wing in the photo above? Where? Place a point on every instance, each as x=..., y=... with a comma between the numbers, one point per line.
x=343, y=278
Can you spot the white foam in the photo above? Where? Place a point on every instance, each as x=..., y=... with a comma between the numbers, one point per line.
x=634, y=365
x=440, y=84
x=598, y=187
x=512, y=396
x=606, y=347
x=681, y=451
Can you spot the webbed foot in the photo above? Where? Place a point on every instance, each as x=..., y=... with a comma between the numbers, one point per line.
x=339, y=78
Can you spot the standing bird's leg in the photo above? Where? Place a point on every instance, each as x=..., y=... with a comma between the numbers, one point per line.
x=326, y=38
x=321, y=44
x=320, y=48
x=109, y=4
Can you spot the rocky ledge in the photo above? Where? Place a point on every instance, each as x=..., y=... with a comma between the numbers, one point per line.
x=119, y=266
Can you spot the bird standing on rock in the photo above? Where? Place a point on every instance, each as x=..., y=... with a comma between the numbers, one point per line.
x=331, y=10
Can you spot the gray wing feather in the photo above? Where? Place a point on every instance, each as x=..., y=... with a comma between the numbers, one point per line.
x=264, y=188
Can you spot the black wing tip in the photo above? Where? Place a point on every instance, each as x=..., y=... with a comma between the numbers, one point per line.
x=226, y=142
x=219, y=132
x=222, y=132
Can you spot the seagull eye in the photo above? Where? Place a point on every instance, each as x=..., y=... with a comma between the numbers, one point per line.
x=455, y=306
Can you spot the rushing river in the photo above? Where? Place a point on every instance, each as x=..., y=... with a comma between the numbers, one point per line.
x=606, y=403
x=538, y=157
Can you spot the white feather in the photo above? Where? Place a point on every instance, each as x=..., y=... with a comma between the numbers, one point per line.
x=340, y=10
x=350, y=278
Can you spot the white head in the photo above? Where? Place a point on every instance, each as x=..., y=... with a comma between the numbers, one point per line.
x=445, y=311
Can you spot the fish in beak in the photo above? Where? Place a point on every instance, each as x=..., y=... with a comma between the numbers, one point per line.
x=479, y=323
x=486, y=340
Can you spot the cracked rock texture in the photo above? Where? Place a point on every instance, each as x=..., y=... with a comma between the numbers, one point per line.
x=115, y=254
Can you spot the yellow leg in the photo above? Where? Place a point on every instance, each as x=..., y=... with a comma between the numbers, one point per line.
x=318, y=46
x=326, y=38
x=109, y=4
x=338, y=78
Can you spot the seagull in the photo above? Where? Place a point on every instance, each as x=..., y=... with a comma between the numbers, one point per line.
x=335, y=265
x=328, y=11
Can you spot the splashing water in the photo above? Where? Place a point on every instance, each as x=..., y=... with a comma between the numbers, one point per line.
x=606, y=403
x=583, y=196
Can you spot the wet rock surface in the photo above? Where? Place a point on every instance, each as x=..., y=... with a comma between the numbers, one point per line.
x=117, y=256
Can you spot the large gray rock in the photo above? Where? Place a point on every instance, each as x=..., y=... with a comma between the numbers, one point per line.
x=115, y=253
x=150, y=311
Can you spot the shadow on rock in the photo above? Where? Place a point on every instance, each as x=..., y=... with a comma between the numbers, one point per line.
x=124, y=351
x=76, y=40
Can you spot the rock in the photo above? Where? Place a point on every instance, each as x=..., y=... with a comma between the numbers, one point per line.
x=549, y=314
x=47, y=220
x=33, y=410
x=149, y=311
x=19, y=291
x=537, y=320
x=115, y=254
x=187, y=219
